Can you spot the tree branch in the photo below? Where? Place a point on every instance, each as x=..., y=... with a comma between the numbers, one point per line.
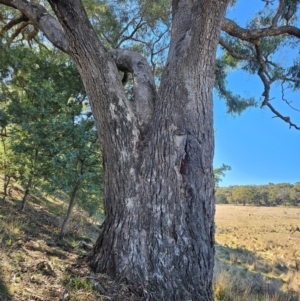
x=284, y=118
x=8, y=3
x=278, y=13
x=15, y=21
x=261, y=72
x=263, y=75
x=44, y=21
x=285, y=100
x=129, y=61
x=144, y=85
x=253, y=36
x=233, y=53
x=138, y=26
x=233, y=29
x=16, y=33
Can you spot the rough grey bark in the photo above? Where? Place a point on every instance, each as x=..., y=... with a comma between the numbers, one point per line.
x=157, y=153
x=144, y=89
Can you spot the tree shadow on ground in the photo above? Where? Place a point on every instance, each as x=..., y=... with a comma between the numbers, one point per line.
x=4, y=293
x=42, y=218
x=31, y=254
x=243, y=272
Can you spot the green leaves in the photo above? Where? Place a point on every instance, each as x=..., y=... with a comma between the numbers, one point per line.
x=220, y=172
x=235, y=103
x=265, y=195
x=51, y=140
x=289, y=10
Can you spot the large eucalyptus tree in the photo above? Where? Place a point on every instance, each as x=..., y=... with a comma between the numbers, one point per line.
x=158, y=148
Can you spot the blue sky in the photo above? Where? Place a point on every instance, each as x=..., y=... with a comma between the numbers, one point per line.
x=259, y=148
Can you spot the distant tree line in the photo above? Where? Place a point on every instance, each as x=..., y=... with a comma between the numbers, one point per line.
x=260, y=195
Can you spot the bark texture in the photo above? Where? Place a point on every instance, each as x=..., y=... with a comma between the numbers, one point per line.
x=159, y=230
x=157, y=151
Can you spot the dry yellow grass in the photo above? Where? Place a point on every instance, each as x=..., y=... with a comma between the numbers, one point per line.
x=257, y=253
x=36, y=266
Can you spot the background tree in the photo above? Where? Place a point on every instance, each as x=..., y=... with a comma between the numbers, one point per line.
x=294, y=194
x=77, y=168
x=243, y=194
x=222, y=195
x=283, y=193
x=51, y=130
x=33, y=93
x=262, y=195
x=278, y=194
x=7, y=168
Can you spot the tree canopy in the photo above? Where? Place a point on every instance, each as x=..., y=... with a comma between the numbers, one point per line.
x=144, y=26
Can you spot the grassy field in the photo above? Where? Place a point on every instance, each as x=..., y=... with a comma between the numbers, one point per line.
x=257, y=253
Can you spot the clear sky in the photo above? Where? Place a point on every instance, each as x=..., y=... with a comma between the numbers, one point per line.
x=259, y=148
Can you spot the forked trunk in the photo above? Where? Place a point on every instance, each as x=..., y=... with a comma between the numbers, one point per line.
x=158, y=182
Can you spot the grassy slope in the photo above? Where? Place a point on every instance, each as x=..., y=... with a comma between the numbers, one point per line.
x=257, y=254
x=36, y=265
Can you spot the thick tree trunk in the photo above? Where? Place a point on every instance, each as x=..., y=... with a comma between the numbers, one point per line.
x=158, y=182
x=159, y=230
